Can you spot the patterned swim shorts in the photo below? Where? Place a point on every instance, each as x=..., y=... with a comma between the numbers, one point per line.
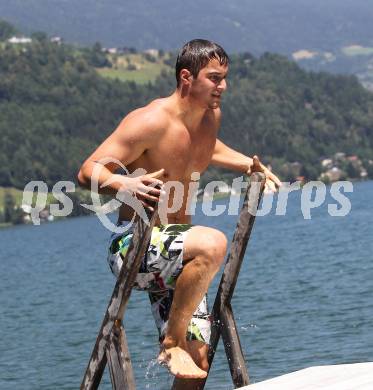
x=160, y=267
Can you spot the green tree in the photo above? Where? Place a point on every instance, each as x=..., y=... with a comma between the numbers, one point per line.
x=9, y=207
x=96, y=57
x=40, y=36
x=352, y=171
x=12, y=213
x=7, y=30
x=370, y=171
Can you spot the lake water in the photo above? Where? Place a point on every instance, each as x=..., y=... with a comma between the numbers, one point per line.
x=304, y=297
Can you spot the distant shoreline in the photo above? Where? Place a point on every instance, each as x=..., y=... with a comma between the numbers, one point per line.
x=216, y=196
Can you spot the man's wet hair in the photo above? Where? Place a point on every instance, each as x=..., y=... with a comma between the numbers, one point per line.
x=196, y=54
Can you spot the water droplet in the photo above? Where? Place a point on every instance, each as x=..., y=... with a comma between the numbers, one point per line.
x=152, y=369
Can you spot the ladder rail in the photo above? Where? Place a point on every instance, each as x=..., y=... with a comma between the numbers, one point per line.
x=222, y=314
x=118, y=301
x=119, y=360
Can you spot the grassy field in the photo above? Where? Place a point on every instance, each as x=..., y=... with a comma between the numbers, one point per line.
x=357, y=50
x=18, y=196
x=4, y=225
x=134, y=67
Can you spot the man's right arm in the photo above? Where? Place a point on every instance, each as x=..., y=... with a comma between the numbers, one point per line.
x=136, y=133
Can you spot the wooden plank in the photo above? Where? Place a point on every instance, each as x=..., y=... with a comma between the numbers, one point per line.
x=119, y=362
x=233, y=348
x=118, y=301
x=234, y=261
x=357, y=376
x=241, y=238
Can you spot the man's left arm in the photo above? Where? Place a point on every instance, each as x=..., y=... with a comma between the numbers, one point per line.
x=226, y=157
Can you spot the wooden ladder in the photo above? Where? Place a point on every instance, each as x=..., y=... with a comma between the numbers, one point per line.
x=111, y=344
x=222, y=314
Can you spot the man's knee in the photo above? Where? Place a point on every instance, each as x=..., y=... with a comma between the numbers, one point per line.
x=209, y=244
x=216, y=247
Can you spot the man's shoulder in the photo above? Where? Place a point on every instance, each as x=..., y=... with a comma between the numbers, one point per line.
x=151, y=118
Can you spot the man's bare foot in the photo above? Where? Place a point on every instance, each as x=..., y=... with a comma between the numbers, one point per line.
x=180, y=363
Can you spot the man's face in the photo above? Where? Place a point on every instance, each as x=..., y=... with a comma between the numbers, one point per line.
x=209, y=85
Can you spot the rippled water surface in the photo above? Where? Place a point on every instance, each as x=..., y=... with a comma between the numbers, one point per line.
x=304, y=297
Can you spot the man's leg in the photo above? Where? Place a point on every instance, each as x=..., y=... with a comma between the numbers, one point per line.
x=204, y=251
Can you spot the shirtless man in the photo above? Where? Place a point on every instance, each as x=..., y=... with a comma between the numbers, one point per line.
x=171, y=138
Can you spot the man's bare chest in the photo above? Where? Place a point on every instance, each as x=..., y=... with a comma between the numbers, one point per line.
x=180, y=154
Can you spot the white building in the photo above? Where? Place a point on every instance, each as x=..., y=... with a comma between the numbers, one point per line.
x=18, y=40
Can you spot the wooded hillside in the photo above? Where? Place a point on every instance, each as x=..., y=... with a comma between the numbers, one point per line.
x=55, y=109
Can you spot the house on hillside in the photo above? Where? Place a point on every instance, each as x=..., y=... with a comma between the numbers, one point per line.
x=18, y=40
x=332, y=175
x=57, y=40
x=110, y=50
x=152, y=52
x=327, y=163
